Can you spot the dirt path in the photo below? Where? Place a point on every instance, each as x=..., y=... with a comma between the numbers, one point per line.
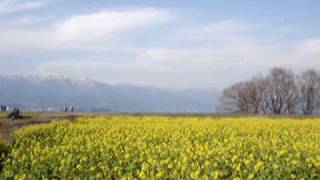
x=7, y=126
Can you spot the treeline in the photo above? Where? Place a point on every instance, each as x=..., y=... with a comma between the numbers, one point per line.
x=279, y=92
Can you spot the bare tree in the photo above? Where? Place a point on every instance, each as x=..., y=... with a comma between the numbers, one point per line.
x=242, y=98
x=260, y=84
x=292, y=93
x=309, y=90
x=232, y=99
x=281, y=91
x=236, y=99
x=252, y=96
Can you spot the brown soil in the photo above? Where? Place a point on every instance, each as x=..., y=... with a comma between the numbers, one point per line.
x=7, y=126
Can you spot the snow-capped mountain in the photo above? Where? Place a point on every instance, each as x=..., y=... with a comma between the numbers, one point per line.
x=54, y=92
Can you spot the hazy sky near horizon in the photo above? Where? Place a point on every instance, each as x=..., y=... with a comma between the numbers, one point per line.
x=168, y=44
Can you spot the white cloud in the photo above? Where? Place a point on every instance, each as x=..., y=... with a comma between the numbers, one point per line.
x=10, y=6
x=207, y=55
x=24, y=40
x=103, y=30
x=307, y=54
x=224, y=43
x=106, y=24
x=311, y=46
x=210, y=54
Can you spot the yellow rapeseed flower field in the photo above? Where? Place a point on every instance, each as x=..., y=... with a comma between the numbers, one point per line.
x=167, y=147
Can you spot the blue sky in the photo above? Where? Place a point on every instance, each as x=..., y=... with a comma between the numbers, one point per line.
x=168, y=44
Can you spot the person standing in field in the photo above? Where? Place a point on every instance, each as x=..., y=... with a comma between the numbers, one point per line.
x=14, y=115
x=71, y=108
x=3, y=108
x=66, y=109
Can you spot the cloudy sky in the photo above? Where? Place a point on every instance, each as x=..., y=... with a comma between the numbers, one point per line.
x=168, y=44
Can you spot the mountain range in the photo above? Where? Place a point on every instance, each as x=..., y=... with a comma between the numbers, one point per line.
x=54, y=93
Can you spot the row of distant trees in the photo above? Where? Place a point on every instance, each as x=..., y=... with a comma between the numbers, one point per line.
x=279, y=92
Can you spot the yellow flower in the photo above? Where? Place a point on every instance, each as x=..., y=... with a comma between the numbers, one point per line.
x=160, y=174
x=251, y=176
x=259, y=165
x=142, y=174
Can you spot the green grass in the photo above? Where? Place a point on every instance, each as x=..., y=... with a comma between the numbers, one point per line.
x=3, y=115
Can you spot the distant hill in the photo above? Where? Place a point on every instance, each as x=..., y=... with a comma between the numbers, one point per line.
x=55, y=93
